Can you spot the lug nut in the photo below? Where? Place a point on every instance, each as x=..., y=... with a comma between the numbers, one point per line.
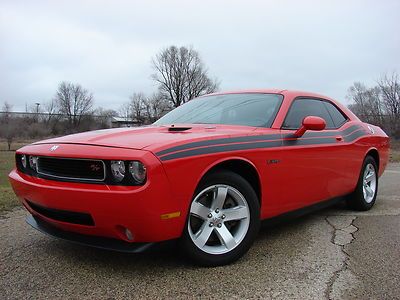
x=223, y=217
x=209, y=215
x=217, y=210
x=211, y=224
x=219, y=225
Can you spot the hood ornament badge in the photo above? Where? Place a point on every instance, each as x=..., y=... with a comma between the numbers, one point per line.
x=54, y=148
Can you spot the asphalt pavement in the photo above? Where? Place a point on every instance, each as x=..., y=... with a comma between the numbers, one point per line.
x=331, y=254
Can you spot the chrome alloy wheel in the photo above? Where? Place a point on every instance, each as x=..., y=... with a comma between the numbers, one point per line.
x=219, y=219
x=369, y=183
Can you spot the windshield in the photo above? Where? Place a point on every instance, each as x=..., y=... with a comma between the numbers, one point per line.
x=252, y=109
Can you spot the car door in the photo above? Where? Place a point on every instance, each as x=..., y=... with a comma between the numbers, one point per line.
x=313, y=165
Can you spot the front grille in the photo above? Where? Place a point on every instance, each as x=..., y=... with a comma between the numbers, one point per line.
x=62, y=215
x=72, y=169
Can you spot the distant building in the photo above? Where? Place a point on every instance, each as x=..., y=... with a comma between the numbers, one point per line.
x=123, y=122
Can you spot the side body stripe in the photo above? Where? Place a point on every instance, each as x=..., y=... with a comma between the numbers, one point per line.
x=259, y=142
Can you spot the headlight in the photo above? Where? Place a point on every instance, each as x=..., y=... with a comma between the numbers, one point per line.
x=33, y=162
x=118, y=170
x=138, y=171
x=23, y=161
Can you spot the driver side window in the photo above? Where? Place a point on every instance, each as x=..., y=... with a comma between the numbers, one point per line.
x=302, y=108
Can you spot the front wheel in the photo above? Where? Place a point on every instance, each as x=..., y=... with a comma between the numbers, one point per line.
x=223, y=220
x=364, y=196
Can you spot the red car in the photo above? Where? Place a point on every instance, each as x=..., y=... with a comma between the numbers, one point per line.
x=206, y=173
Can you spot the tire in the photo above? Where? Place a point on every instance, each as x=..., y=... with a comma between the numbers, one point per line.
x=364, y=197
x=223, y=220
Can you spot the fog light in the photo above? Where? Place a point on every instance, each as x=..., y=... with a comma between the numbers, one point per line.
x=128, y=234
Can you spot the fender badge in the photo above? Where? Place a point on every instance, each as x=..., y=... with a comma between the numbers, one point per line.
x=54, y=148
x=273, y=161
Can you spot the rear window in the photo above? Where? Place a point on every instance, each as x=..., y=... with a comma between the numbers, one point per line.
x=337, y=116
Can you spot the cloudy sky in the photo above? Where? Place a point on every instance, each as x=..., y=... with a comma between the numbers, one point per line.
x=107, y=46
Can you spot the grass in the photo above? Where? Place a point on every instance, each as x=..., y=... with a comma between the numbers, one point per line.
x=7, y=197
x=395, y=151
x=8, y=200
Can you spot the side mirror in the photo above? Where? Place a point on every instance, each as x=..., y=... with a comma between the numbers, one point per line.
x=310, y=123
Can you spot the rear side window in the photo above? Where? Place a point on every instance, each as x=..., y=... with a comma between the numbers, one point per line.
x=337, y=116
x=302, y=108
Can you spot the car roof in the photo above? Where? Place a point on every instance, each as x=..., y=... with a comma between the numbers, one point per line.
x=284, y=92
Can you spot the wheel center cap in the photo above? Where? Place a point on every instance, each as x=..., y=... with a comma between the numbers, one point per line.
x=216, y=220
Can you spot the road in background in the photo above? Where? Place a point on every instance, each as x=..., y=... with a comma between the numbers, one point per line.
x=331, y=254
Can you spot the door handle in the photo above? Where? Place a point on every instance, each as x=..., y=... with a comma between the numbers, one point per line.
x=339, y=138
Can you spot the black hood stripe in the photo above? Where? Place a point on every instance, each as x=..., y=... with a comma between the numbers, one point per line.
x=252, y=138
x=358, y=132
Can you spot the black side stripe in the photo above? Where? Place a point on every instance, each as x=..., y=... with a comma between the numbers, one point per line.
x=252, y=138
x=355, y=135
x=263, y=144
x=219, y=142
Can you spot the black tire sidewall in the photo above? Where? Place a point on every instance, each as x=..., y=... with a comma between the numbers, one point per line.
x=357, y=200
x=239, y=183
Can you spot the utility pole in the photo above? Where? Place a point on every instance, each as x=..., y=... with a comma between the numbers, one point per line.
x=37, y=111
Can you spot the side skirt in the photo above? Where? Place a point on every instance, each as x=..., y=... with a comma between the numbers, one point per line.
x=285, y=217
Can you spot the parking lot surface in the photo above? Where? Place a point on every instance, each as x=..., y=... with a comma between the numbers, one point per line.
x=331, y=254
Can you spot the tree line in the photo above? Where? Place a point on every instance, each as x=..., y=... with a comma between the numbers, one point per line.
x=378, y=104
x=180, y=75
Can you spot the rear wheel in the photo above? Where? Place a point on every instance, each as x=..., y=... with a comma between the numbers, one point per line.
x=364, y=196
x=223, y=220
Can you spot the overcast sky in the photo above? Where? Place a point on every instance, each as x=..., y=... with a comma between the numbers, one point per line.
x=107, y=46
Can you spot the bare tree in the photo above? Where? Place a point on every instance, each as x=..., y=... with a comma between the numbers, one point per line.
x=181, y=75
x=6, y=112
x=155, y=107
x=73, y=101
x=125, y=111
x=103, y=117
x=138, y=107
x=390, y=91
x=366, y=103
x=9, y=131
x=49, y=110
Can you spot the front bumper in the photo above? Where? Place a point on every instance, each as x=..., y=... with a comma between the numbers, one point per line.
x=92, y=241
x=141, y=209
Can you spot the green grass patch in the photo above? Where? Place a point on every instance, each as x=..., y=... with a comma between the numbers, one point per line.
x=7, y=159
x=394, y=150
x=8, y=200
x=394, y=156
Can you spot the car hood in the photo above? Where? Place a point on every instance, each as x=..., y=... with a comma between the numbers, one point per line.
x=152, y=138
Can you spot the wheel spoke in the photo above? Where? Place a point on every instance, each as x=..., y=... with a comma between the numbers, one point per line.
x=199, y=210
x=225, y=237
x=370, y=176
x=203, y=235
x=220, y=196
x=369, y=191
x=235, y=213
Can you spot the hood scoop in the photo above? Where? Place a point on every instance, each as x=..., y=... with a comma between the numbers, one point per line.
x=174, y=128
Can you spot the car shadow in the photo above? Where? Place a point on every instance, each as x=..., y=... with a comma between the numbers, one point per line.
x=168, y=255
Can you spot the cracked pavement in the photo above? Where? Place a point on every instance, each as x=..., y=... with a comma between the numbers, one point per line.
x=332, y=254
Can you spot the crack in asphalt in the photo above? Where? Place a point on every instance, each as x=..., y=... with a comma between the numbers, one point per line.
x=341, y=237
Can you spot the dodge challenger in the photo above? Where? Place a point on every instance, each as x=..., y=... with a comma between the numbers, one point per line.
x=206, y=174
